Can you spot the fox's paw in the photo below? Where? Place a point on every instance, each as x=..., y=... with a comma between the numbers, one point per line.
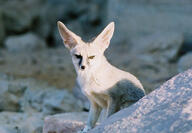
x=85, y=130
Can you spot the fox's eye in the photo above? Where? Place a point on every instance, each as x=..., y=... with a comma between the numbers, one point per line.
x=91, y=57
x=78, y=56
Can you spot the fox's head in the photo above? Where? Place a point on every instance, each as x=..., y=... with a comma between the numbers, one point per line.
x=86, y=56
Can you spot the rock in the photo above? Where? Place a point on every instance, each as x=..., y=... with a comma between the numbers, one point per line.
x=185, y=62
x=2, y=31
x=65, y=123
x=150, y=74
x=167, y=109
x=8, y=129
x=80, y=96
x=12, y=122
x=86, y=20
x=163, y=45
x=14, y=15
x=151, y=70
x=26, y=42
x=32, y=97
x=139, y=18
x=33, y=124
x=49, y=101
x=10, y=94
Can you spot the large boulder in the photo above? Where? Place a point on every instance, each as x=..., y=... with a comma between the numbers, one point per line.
x=167, y=109
x=142, y=17
x=65, y=123
x=26, y=42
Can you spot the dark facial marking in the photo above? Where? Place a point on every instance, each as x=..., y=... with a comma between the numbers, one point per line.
x=80, y=61
x=80, y=58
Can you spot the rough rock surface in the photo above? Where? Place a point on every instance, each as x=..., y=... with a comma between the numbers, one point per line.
x=20, y=18
x=12, y=122
x=167, y=109
x=49, y=101
x=65, y=123
x=26, y=42
x=165, y=46
x=140, y=17
x=29, y=96
x=10, y=94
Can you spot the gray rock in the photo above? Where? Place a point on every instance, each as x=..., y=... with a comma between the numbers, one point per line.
x=2, y=29
x=49, y=101
x=80, y=96
x=65, y=123
x=17, y=19
x=26, y=42
x=32, y=124
x=151, y=70
x=142, y=17
x=86, y=20
x=30, y=96
x=163, y=45
x=185, y=62
x=10, y=94
x=167, y=109
x=12, y=122
x=7, y=129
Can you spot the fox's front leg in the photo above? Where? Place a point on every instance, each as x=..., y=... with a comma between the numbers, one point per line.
x=112, y=107
x=93, y=116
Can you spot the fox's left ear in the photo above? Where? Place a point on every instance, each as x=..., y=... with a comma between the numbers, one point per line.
x=105, y=36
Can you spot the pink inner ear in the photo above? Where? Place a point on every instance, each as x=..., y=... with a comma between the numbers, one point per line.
x=106, y=38
x=68, y=39
x=70, y=42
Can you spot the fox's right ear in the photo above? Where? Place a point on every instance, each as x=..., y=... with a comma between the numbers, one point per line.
x=103, y=39
x=69, y=38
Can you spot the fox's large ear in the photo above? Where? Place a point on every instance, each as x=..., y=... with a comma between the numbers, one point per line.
x=105, y=36
x=69, y=38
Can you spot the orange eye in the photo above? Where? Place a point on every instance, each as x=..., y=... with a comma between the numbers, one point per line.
x=91, y=57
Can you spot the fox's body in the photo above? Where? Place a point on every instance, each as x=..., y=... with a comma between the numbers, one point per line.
x=106, y=86
x=98, y=85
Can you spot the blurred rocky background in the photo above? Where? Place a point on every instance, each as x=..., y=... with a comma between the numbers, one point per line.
x=152, y=40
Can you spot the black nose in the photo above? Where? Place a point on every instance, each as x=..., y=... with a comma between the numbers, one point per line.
x=82, y=67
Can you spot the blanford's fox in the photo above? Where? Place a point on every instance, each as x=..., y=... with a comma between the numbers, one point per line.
x=106, y=86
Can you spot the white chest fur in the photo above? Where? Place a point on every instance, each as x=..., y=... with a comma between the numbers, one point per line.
x=94, y=89
x=89, y=83
x=96, y=82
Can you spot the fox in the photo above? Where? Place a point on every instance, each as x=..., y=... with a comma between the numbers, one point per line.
x=105, y=86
